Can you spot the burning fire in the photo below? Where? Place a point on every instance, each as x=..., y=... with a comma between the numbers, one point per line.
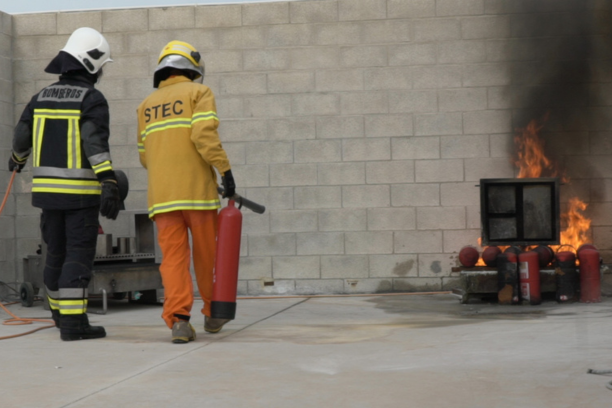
x=577, y=225
x=531, y=159
x=532, y=162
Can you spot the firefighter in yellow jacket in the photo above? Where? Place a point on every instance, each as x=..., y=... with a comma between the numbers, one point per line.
x=179, y=146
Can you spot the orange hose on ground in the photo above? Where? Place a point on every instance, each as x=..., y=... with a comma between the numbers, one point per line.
x=16, y=321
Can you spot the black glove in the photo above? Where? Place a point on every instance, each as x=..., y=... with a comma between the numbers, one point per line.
x=228, y=184
x=15, y=165
x=109, y=207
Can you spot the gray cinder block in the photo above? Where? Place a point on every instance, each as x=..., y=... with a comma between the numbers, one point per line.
x=168, y=18
x=35, y=24
x=293, y=221
x=411, y=8
x=265, y=13
x=313, y=11
x=218, y=16
x=393, y=266
x=391, y=219
x=444, y=170
x=342, y=220
x=361, y=9
x=296, y=267
x=373, y=242
x=416, y=242
x=344, y=267
x=125, y=20
x=415, y=195
x=440, y=218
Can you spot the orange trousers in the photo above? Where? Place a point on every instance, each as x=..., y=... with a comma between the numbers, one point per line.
x=173, y=238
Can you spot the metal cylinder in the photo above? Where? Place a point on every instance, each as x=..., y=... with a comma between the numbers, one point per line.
x=529, y=273
x=590, y=278
x=489, y=255
x=545, y=255
x=468, y=256
x=507, y=279
x=566, y=277
x=225, y=276
x=123, y=245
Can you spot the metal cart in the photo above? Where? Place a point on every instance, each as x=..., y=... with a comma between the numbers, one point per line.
x=129, y=269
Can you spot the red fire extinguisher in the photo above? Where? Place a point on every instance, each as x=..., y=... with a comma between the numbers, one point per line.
x=590, y=279
x=529, y=267
x=225, y=275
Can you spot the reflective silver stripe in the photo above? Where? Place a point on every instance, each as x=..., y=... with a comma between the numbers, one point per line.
x=81, y=306
x=76, y=152
x=23, y=155
x=50, y=114
x=99, y=158
x=73, y=293
x=64, y=173
x=52, y=293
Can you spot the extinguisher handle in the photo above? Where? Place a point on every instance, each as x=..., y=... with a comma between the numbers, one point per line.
x=251, y=205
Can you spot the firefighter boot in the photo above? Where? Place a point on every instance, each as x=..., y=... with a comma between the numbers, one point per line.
x=214, y=325
x=76, y=327
x=55, y=314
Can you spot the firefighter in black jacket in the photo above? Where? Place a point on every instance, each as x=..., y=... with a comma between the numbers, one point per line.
x=65, y=129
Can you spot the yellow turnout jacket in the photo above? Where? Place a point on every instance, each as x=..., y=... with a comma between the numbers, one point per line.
x=179, y=146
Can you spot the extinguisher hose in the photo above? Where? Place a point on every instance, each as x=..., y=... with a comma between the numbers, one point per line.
x=14, y=320
x=251, y=205
x=602, y=372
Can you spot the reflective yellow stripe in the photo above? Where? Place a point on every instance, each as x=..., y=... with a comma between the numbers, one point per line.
x=165, y=124
x=68, y=307
x=72, y=302
x=77, y=139
x=58, y=113
x=104, y=166
x=183, y=205
x=70, y=164
x=44, y=185
x=204, y=116
x=39, y=125
x=53, y=304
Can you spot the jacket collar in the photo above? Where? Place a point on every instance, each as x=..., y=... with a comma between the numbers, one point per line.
x=174, y=80
x=88, y=79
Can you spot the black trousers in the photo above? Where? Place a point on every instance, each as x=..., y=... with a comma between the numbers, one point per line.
x=71, y=237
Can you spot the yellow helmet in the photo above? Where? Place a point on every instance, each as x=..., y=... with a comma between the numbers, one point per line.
x=178, y=55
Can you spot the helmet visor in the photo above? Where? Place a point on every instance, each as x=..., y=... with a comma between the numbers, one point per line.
x=179, y=62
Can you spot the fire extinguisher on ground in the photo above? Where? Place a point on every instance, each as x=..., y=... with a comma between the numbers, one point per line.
x=225, y=275
x=590, y=278
x=529, y=268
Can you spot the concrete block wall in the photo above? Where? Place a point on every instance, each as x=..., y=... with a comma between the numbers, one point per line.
x=362, y=125
x=8, y=243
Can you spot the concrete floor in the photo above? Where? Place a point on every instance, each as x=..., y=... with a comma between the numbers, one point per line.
x=386, y=351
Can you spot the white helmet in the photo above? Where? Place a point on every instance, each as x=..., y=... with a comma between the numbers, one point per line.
x=89, y=47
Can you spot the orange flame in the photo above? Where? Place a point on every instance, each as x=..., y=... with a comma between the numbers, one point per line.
x=531, y=159
x=577, y=225
x=532, y=162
